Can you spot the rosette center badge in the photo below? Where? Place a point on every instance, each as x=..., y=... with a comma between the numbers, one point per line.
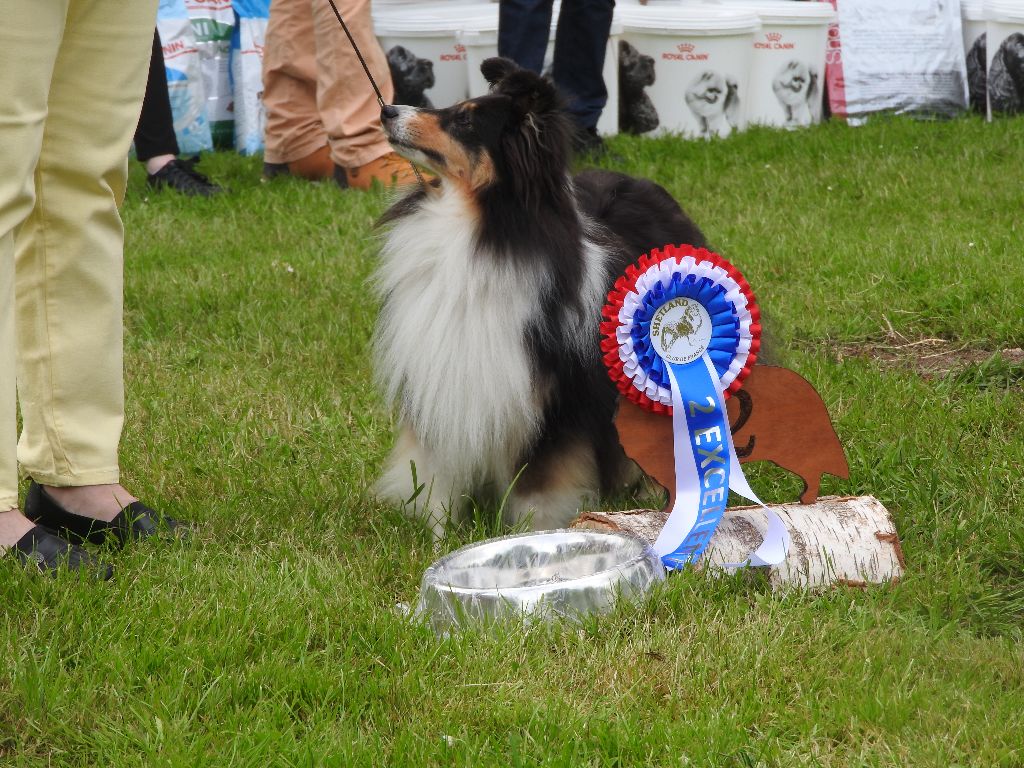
x=681, y=330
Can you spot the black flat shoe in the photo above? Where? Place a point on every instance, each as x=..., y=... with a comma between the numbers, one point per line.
x=49, y=553
x=181, y=175
x=136, y=521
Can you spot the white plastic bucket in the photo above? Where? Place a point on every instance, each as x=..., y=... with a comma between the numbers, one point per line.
x=479, y=37
x=430, y=32
x=788, y=73
x=701, y=58
x=608, y=123
x=1005, y=43
x=972, y=21
x=480, y=44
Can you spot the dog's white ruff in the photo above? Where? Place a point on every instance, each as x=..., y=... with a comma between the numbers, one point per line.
x=450, y=353
x=449, y=343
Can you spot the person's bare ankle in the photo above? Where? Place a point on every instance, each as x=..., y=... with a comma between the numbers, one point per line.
x=100, y=502
x=154, y=164
x=13, y=525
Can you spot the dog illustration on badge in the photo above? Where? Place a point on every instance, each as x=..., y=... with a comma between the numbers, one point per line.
x=689, y=323
x=681, y=330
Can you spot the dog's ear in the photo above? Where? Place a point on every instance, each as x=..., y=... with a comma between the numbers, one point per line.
x=535, y=133
x=497, y=69
x=531, y=94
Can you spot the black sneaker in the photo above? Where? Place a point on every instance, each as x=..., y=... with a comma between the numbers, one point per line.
x=181, y=175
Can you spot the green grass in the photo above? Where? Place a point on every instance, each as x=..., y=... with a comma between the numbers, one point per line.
x=272, y=639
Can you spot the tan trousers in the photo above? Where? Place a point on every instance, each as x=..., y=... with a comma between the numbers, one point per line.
x=314, y=89
x=72, y=76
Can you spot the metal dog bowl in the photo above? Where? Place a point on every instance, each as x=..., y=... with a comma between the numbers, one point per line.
x=567, y=573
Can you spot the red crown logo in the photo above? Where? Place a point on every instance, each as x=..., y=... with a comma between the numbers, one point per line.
x=459, y=48
x=774, y=36
x=685, y=47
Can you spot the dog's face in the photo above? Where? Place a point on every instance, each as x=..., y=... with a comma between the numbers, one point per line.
x=517, y=133
x=636, y=70
x=456, y=143
x=707, y=94
x=409, y=71
x=793, y=83
x=1012, y=51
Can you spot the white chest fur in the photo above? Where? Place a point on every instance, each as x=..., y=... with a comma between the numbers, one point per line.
x=449, y=344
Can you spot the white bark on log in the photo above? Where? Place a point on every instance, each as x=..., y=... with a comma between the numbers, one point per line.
x=836, y=540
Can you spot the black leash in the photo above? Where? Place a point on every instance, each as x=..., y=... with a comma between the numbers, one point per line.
x=386, y=109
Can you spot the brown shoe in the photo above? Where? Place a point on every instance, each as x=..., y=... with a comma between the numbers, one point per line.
x=315, y=166
x=391, y=170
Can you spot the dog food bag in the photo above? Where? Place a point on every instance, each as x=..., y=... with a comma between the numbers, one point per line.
x=247, y=73
x=787, y=79
x=685, y=69
x=213, y=22
x=1005, y=33
x=898, y=56
x=184, y=77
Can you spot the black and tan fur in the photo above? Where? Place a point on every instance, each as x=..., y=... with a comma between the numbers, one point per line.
x=491, y=283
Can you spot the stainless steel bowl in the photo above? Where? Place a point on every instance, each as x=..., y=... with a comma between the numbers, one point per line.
x=565, y=573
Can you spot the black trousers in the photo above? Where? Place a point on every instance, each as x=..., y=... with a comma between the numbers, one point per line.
x=155, y=134
x=580, y=44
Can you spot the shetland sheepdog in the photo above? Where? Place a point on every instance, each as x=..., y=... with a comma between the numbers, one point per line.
x=491, y=282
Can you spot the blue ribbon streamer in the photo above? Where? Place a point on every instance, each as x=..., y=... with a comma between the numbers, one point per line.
x=705, y=459
x=697, y=415
x=700, y=423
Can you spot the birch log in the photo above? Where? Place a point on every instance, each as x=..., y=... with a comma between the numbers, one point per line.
x=837, y=540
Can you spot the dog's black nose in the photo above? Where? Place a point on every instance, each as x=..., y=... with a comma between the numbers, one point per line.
x=388, y=112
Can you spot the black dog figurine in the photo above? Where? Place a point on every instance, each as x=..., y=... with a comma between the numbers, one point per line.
x=1006, y=77
x=411, y=76
x=636, y=110
x=976, y=80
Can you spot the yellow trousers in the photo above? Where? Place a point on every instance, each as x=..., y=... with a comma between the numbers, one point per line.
x=72, y=77
x=314, y=89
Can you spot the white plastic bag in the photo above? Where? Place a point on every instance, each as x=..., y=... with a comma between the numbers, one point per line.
x=247, y=73
x=213, y=21
x=897, y=56
x=184, y=77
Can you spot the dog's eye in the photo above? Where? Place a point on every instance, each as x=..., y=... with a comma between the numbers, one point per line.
x=463, y=119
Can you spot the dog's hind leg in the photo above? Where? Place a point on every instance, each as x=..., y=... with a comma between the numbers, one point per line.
x=555, y=486
x=412, y=479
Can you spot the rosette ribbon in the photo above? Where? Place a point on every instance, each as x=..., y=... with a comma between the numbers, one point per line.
x=681, y=331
